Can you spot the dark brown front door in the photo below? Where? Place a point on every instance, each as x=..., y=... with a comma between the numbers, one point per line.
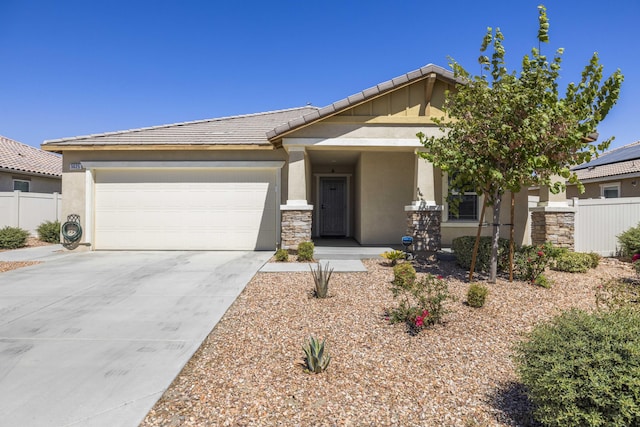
x=333, y=206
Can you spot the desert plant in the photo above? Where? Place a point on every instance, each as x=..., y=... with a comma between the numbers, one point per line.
x=305, y=251
x=321, y=278
x=477, y=295
x=394, y=256
x=49, y=231
x=582, y=369
x=573, y=262
x=13, y=237
x=317, y=357
x=613, y=294
x=463, y=250
x=531, y=262
x=630, y=241
x=282, y=255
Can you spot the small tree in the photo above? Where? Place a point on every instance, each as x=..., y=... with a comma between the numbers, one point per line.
x=506, y=131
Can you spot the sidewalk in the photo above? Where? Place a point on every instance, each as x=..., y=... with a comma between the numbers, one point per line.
x=38, y=253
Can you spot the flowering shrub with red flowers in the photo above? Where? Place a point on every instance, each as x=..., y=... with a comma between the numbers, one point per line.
x=636, y=263
x=532, y=261
x=421, y=302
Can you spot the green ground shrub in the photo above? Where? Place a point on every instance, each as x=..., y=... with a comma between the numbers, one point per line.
x=305, y=251
x=49, y=231
x=573, y=262
x=463, y=250
x=477, y=295
x=530, y=262
x=583, y=369
x=282, y=255
x=630, y=241
x=13, y=237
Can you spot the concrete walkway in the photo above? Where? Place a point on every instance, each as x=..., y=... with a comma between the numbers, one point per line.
x=95, y=338
x=39, y=253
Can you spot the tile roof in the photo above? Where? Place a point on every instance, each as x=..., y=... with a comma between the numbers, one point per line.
x=248, y=129
x=620, y=161
x=364, y=96
x=19, y=157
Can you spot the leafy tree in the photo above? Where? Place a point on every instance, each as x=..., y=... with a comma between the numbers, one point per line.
x=505, y=131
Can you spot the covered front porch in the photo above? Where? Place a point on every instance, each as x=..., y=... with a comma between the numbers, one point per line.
x=368, y=196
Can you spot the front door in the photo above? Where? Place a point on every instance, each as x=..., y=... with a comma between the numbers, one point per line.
x=333, y=206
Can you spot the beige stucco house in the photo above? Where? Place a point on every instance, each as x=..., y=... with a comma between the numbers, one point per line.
x=613, y=174
x=267, y=180
x=28, y=169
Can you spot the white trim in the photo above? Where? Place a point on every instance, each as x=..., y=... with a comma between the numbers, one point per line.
x=288, y=143
x=316, y=214
x=89, y=211
x=183, y=164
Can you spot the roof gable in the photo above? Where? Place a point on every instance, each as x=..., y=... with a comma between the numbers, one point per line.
x=19, y=157
x=352, y=102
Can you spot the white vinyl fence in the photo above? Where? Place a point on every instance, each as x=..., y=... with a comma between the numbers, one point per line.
x=29, y=210
x=599, y=221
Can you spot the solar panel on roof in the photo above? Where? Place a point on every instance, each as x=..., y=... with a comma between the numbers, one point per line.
x=630, y=152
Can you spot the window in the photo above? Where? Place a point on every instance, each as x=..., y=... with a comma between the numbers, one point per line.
x=610, y=191
x=467, y=207
x=21, y=184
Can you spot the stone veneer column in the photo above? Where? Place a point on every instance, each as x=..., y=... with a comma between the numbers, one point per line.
x=295, y=225
x=423, y=224
x=553, y=224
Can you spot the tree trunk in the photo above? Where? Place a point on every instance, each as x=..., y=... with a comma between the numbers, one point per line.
x=511, y=235
x=493, y=272
x=474, y=256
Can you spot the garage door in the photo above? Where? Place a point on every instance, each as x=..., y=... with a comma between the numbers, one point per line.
x=185, y=209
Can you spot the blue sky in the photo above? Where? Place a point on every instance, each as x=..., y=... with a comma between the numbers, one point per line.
x=70, y=68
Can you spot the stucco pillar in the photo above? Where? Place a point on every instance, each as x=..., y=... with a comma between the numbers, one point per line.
x=424, y=192
x=548, y=199
x=296, y=215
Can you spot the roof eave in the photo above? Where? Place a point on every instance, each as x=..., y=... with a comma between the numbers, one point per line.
x=155, y=147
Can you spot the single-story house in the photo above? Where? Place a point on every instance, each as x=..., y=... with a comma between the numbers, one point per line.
x=614, y=173
x=268, y=180
x=28, y=169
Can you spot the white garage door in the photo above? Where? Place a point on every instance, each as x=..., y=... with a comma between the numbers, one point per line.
x=185, y=209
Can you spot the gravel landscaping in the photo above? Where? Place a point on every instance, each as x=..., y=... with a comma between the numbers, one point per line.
x=249, y=370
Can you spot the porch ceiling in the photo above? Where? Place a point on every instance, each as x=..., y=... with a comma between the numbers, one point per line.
x=333, y=157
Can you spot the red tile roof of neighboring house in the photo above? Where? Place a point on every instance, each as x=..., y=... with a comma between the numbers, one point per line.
x=19, y=157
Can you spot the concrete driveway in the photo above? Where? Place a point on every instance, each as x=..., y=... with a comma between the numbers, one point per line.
x=94, y=339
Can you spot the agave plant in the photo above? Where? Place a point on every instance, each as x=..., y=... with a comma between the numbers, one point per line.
x=321, y=278
x=316, y=358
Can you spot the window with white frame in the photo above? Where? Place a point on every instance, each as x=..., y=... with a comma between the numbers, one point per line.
x=21, y=184
x=610, y=190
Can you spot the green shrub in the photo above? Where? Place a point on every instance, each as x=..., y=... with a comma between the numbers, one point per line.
x=305, y=251
x=13, y=237
x=614, y=294
x=463, y=251
x=630, y=241
x=583, y=369
x=573, y=262
x=282, y=255
x=477, y=295
x=404, y=275
x=595, y=259
x=530, y=262
x=49, y=231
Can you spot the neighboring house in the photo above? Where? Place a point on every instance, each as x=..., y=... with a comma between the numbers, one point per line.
x=271, y=179
x=28, y=169
x=614, y=173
